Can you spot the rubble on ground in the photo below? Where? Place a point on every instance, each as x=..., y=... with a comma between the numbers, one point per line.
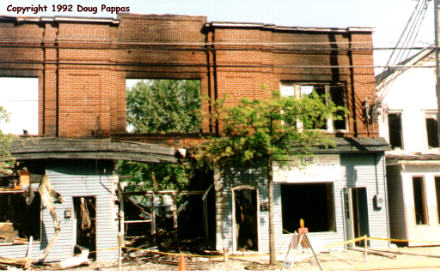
x=331, y=261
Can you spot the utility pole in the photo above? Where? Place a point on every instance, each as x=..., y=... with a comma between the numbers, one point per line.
x=437, y=61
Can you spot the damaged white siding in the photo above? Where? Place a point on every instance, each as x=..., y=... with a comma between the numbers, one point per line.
x=357, y=171
x=398, y=226
x=76, y=179
x=422, y=234
x=412, y=95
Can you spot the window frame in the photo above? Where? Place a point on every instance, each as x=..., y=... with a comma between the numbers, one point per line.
x=330, y=127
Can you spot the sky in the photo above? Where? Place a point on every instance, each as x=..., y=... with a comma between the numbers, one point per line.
x=388, y=17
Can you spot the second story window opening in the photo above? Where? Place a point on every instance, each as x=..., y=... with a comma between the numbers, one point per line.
x=334, y=93
x=19, y=97
x=163, y=106
x=395, y=130
x=432, y=130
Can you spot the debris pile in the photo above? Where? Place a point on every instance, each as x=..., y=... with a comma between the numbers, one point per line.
x=141, y=257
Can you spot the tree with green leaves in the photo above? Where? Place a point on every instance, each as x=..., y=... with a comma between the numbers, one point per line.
x=164, y=106
x=161, y=106
x=5, y=141
x=261, y=132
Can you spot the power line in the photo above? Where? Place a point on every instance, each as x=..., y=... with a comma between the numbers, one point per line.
x=207, y=65
x=407, y=32
x=303, y=48
x=406, y=39
x=208, y=43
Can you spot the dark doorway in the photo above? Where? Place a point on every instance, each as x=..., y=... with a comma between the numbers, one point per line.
x=420, y=206
x=85, y=218
x=246, y=229
x=360, y=213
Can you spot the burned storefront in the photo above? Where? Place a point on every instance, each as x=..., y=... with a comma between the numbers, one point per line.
x=18, y=224
x=64, y=199
x=82, y=105
x=170, y=220
x=339, y=194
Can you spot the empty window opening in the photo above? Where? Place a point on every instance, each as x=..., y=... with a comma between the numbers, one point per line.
x=329, y=93
x=437, y=193
x=420, y=201
x=307, y=90
x=312, y=202
x=85, y=218
x=19, y=97
x=395, y=130
x=19, y=217
x=432, y=132
x=181, y=216
x=137, y=216
x=142, y=220
x=246, y=232
x=337, y=97
x=163, y=106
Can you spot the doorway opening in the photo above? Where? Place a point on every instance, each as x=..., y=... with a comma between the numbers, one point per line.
x=85, y=223
x=356, y=214
x=420, y=205
x=246, y=226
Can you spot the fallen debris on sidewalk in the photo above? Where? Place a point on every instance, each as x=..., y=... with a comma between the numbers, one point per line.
x=80, y=259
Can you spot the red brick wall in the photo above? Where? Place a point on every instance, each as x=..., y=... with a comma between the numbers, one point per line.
x=82, y=66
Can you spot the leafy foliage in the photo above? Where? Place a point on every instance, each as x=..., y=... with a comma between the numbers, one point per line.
x=161, y=106
x=259, y=132
x=5, y=141
x=255, y=130
x=143, y=176
x=158, y=106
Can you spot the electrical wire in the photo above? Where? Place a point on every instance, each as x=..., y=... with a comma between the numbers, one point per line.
x=418, y=25
x=406, y=41
x=406, y=31
x=274, y=47
x=401, y=50
x=401, y=37
x=206, y=65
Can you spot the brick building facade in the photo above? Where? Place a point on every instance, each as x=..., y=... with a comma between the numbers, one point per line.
x=82, y=64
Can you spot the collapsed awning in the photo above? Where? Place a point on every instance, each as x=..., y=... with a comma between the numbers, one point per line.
x=33, y=148
x=353, y=145
x=413, y=158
